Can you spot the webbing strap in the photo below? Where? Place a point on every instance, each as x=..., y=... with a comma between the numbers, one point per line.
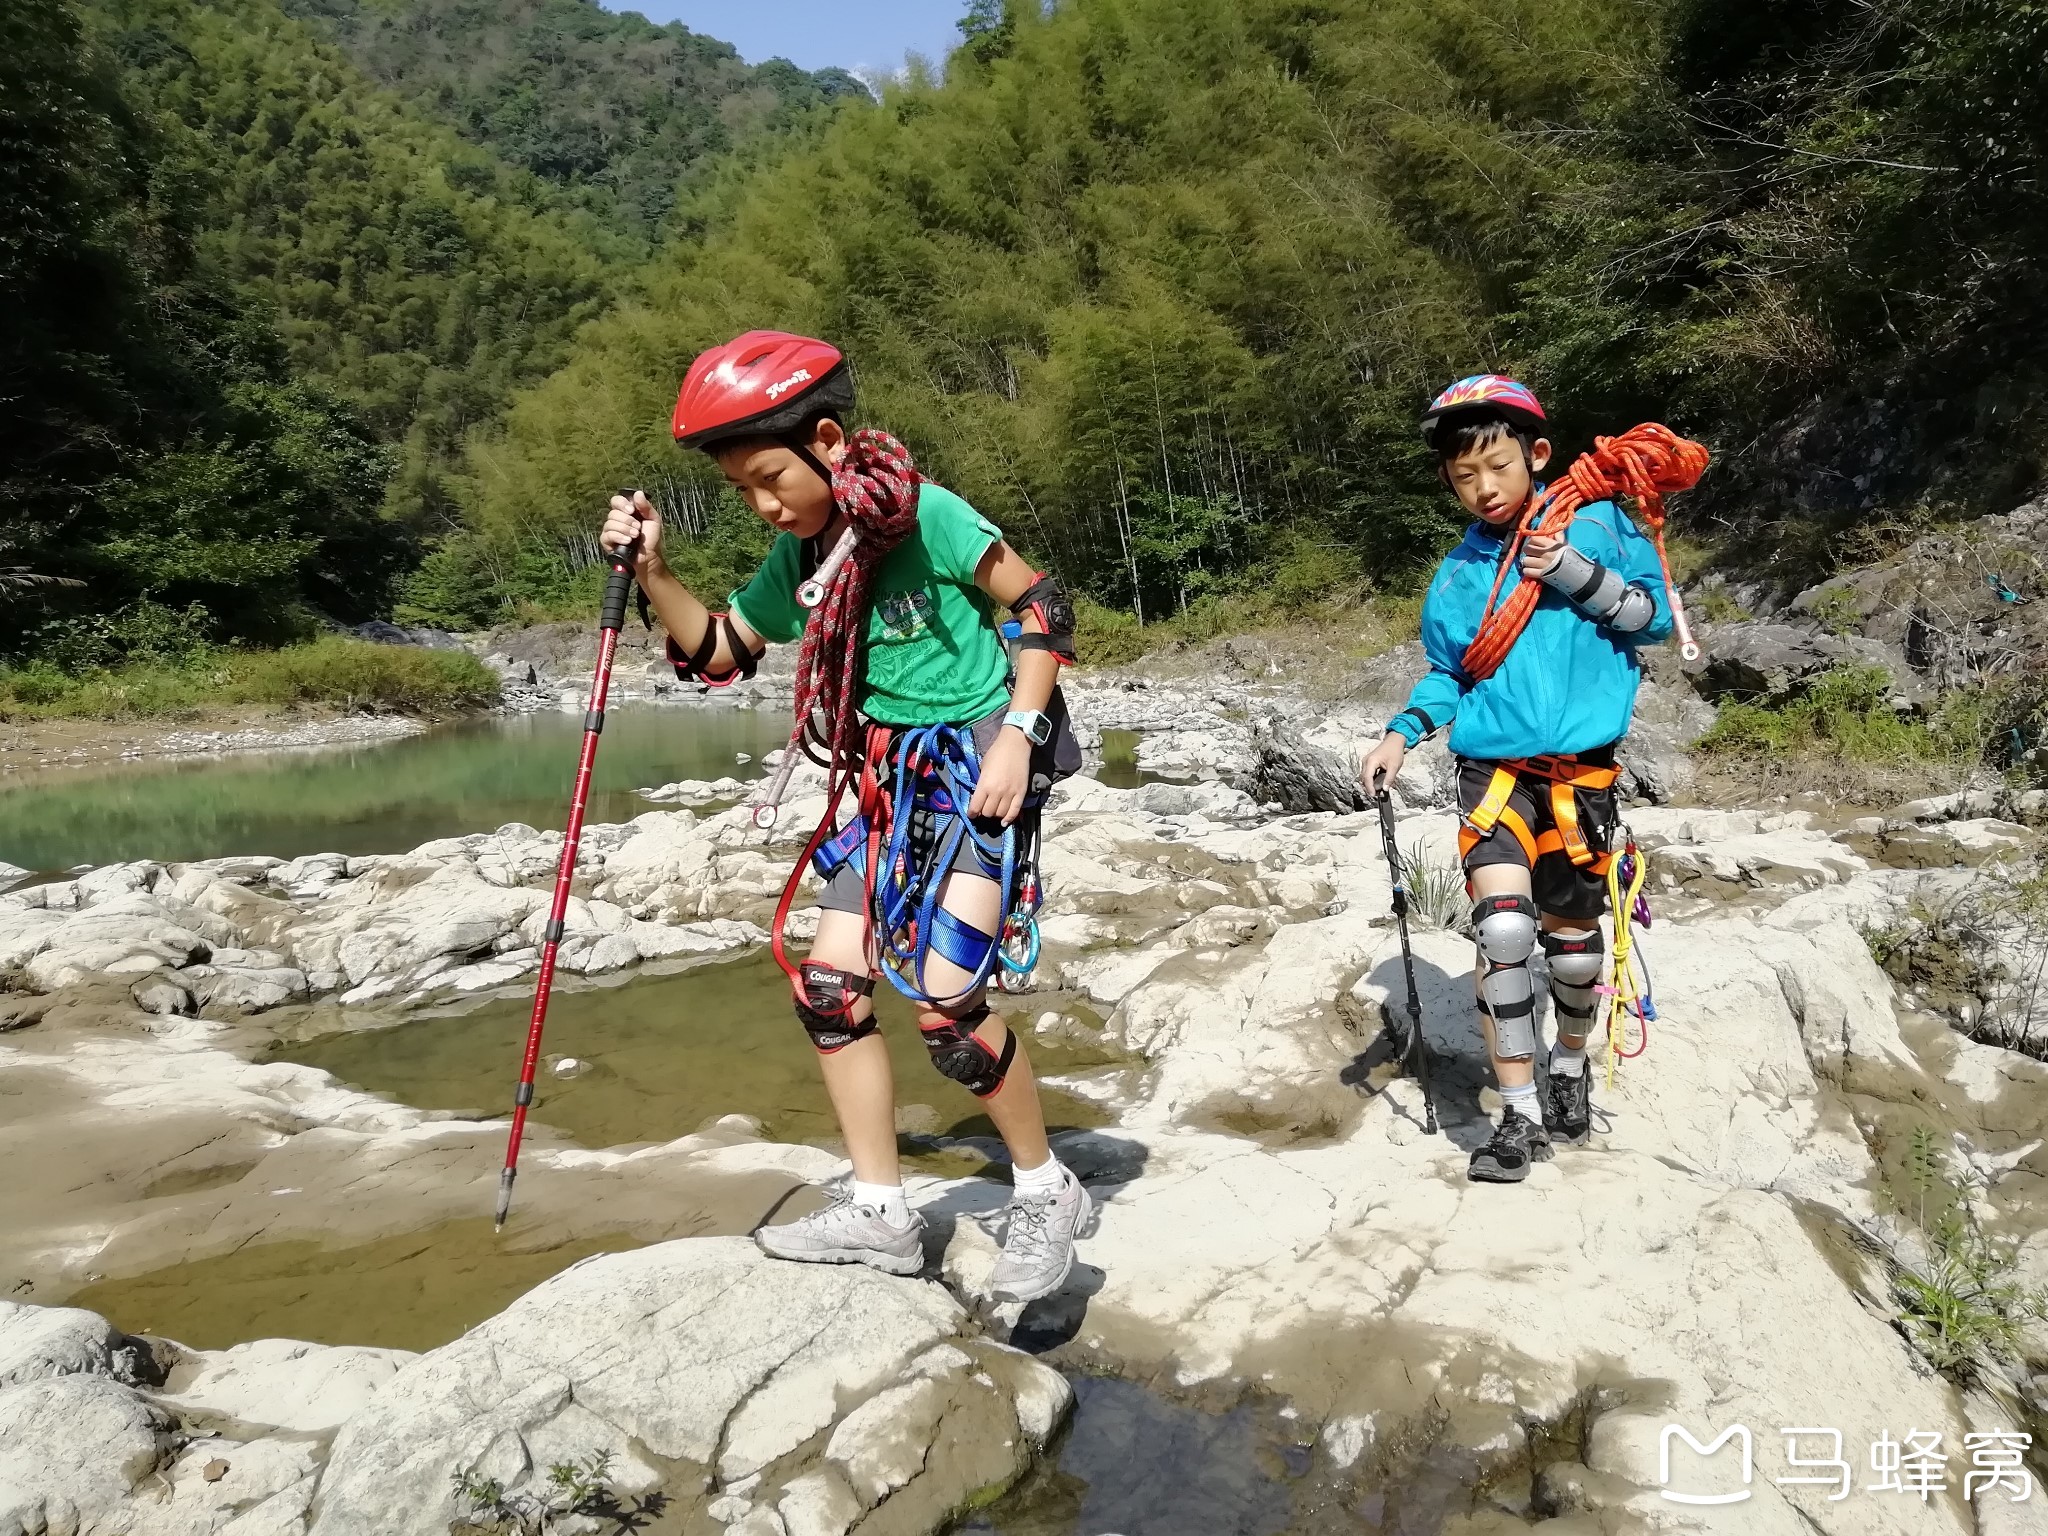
x=1511, y=819
x=1491, y=804
x=960, y=942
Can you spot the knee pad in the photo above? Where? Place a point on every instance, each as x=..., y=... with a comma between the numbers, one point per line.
x=826, y=1007
x=958, y=1052
x=1505, y=927
x=1574, y=960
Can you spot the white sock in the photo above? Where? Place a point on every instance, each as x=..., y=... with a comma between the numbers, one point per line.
x=1524, y=1102
x=1042, y=1182
x=887, y=1199
x=1566, y=1061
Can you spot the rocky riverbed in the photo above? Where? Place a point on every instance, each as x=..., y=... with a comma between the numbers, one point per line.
x=1474, y=1359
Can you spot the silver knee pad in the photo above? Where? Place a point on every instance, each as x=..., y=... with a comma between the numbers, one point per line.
x=1574, y=959
x=1506, y=929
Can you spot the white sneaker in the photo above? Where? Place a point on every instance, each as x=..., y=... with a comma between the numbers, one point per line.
x=1038, y=1248
x=845, y=1233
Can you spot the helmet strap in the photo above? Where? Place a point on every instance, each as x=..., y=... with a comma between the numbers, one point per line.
x=802, y=450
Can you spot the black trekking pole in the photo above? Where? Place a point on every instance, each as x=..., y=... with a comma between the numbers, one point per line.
x=1415, y=1053
x=610, y=621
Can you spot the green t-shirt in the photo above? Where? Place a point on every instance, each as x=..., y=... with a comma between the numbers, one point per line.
x=934, y=654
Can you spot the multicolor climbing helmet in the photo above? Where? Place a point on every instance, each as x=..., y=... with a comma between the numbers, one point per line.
x=1485, y=395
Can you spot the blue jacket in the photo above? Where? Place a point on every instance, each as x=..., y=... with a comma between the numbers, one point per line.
x=1568, y=685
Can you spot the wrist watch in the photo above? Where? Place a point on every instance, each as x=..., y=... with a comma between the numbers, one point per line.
x=1034, y=723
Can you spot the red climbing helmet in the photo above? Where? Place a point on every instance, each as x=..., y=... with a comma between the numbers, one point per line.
x=766, y=382
x=1482, y=395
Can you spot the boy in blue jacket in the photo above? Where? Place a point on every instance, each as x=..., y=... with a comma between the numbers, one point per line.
x=1534, y=741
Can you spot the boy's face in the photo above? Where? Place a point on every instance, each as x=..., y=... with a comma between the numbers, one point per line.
x=1494, y=481
x=779, y=487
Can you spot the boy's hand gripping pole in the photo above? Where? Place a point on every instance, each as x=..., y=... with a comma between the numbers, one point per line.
x=811, y=594
x=1415, y=1050
x=613, y=616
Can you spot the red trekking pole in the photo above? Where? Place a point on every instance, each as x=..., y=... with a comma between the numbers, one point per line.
x=610, y=621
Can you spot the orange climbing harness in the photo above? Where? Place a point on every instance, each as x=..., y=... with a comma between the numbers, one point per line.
x=1565, y=775
x=1645, y=464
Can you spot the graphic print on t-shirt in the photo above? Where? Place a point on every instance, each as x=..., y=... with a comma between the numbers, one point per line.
x=906, y=615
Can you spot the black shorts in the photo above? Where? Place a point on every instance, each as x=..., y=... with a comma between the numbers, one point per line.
x=1559, y=885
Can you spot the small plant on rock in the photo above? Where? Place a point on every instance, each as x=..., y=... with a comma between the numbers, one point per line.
x=574, y=1488
x=1836, y=611
x=1961, y=1303
x=1436, y=891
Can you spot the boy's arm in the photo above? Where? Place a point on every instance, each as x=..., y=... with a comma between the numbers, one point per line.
x=1432, y=705
x=1044, y=612
x=1613, y=577
x=1007, y=577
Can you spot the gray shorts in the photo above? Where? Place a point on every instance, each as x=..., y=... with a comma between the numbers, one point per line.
x=846, y=891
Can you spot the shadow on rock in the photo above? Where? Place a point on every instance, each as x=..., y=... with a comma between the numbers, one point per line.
x=1458, y=1063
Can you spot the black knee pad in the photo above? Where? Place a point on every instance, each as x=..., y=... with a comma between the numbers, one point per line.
x=959, y=1054
x=826, y=1008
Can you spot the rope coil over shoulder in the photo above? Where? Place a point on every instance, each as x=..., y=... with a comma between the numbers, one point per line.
x=1645, y=464
x=875, y=486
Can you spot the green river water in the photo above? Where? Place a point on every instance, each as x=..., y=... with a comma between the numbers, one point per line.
x=379, y=797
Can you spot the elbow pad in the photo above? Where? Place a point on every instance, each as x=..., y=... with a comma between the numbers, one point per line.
x=1047, y=600
x=1599, y=593
x=695, y=666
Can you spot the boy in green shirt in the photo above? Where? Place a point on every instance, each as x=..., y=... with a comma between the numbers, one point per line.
x=908, y=618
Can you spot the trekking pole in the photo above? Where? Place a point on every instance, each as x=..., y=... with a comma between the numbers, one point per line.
x=610, y=621
x=1416, y=1052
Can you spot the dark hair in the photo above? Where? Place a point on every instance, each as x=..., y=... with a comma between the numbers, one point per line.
x=1481, y=432
x=800, y=432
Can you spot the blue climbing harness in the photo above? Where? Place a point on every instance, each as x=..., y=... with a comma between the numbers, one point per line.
x=935, y=770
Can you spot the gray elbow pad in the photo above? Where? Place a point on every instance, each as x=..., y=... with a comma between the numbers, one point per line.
x=1600, y=593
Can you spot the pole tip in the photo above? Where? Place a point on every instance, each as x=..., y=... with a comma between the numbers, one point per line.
x=504, y=1199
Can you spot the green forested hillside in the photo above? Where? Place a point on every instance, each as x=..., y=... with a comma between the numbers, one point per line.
x=608, y=104
x=1163, y=283
x=155, y=446
x=264, y=304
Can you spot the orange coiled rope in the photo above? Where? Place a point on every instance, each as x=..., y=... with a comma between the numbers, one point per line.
x=1645, y=464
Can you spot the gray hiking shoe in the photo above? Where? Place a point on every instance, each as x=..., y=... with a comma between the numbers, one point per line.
x=1038, y=1248
x=845, y=1233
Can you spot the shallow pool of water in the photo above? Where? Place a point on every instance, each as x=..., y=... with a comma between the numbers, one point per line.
x=414, y=1291
x=380, y=797
x=1138, y=1464
x=661, y=1056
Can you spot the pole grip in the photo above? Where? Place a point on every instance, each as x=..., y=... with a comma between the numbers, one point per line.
x=619, y=586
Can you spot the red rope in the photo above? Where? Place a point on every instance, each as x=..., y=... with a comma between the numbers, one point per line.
x=1645, y=463
x=875, y=485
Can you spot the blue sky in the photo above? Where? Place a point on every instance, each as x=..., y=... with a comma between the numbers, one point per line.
x=854, y=34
